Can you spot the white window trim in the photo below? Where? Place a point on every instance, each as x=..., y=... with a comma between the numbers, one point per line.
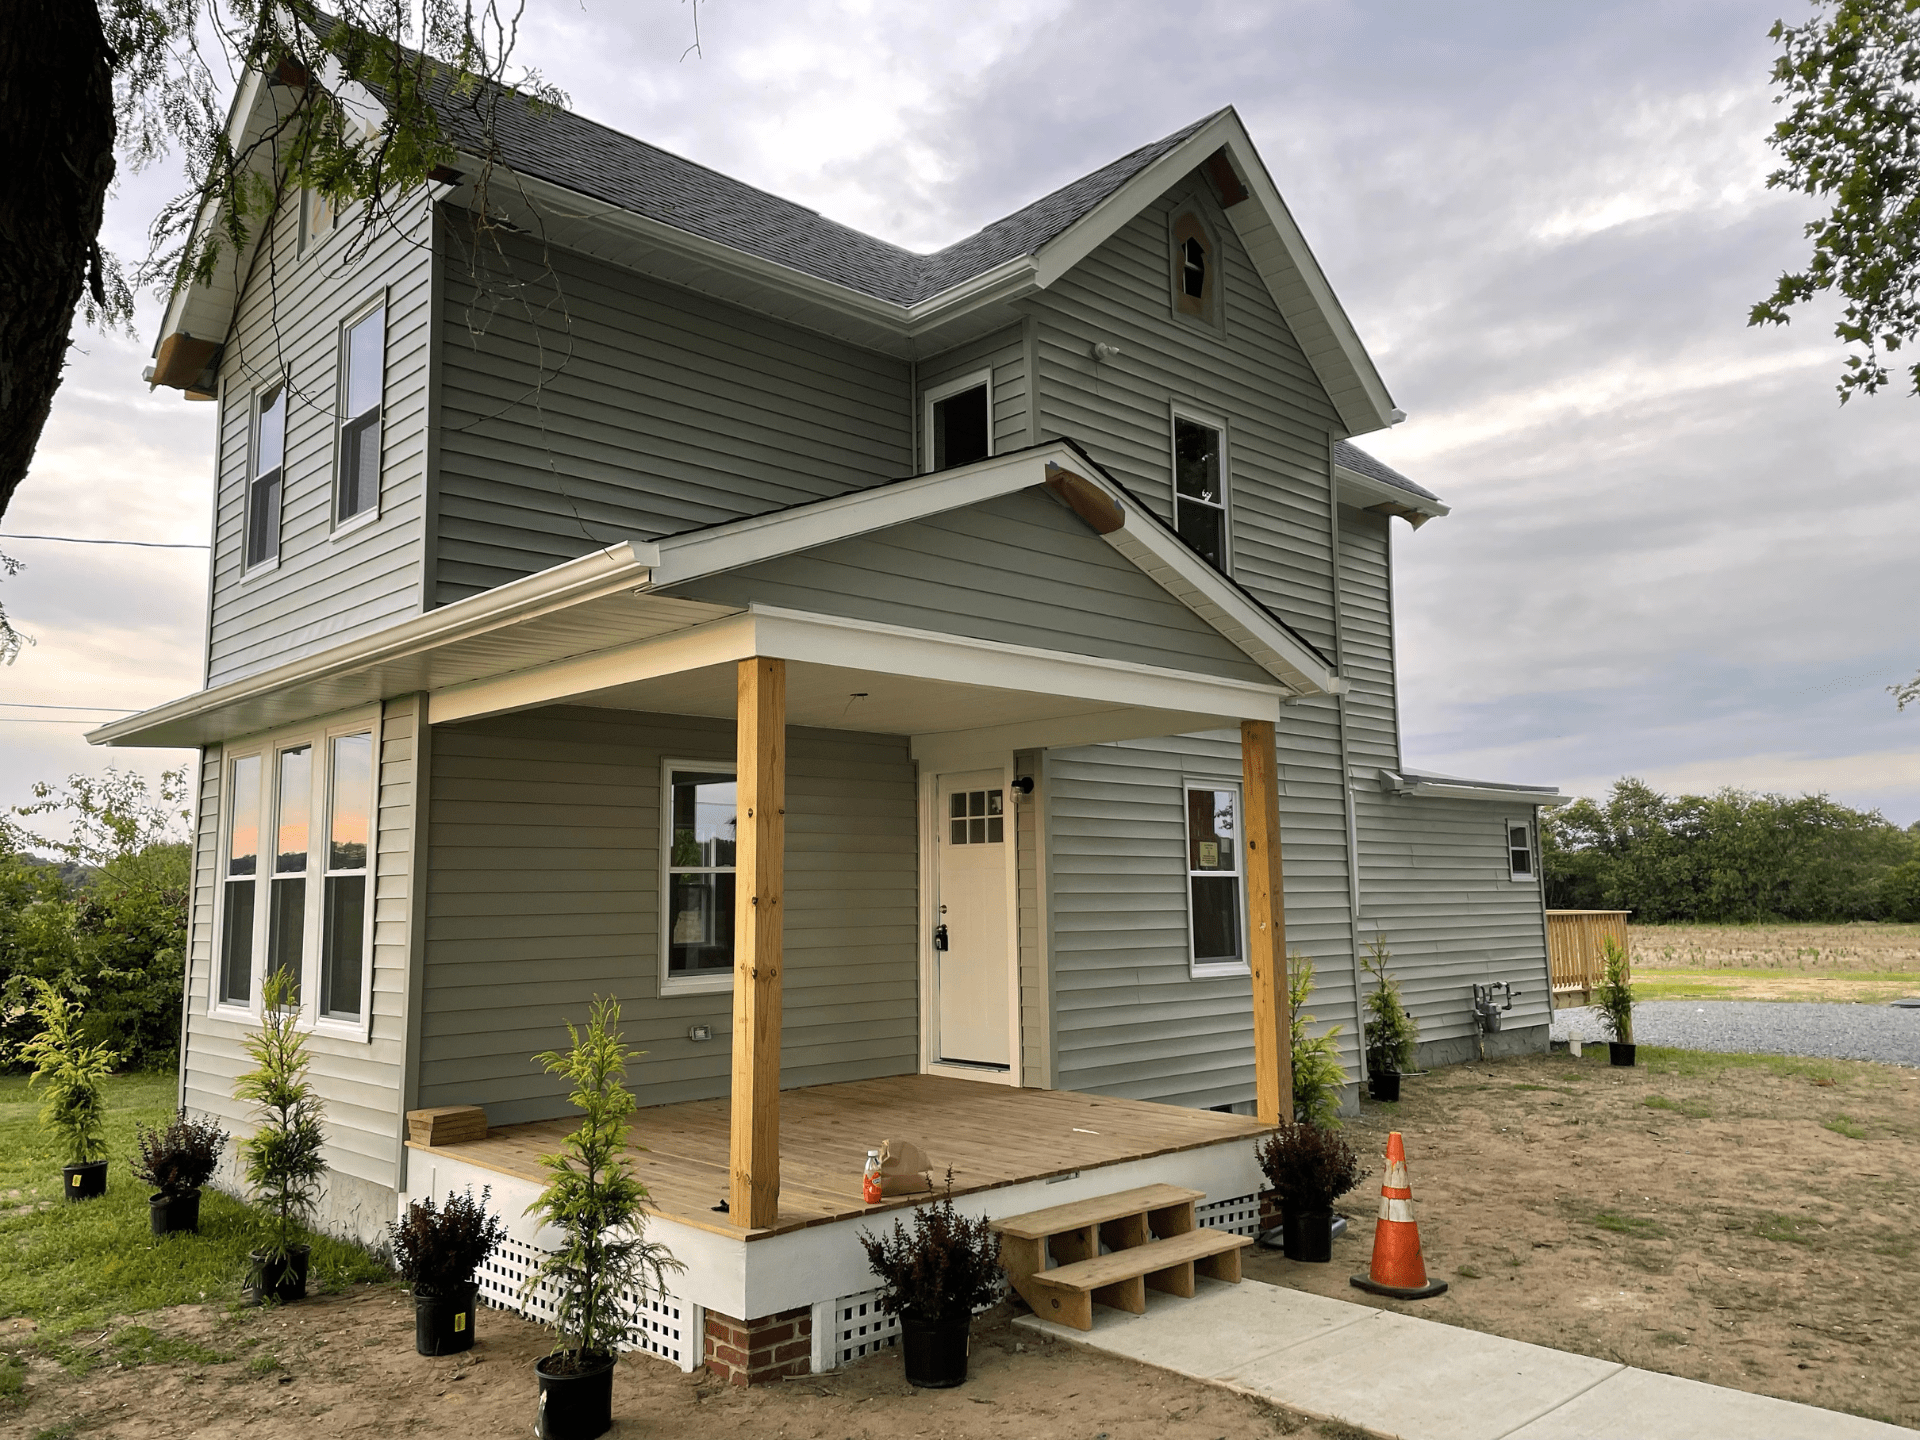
x=1217, y=321
x=1533, y=850
x=251, y=474
x=319, y=734
x=1198, y=969
x=934, y=394
x=341, y=419
x=1178, y=410
x=689, y=984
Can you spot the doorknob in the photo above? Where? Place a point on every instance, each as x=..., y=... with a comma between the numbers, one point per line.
x=939, y=937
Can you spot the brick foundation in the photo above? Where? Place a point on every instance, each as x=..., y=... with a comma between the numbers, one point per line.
x=759, y=1352
x=1269, y=1210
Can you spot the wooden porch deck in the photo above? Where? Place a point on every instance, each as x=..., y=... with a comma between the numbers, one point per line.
x=992, y=1135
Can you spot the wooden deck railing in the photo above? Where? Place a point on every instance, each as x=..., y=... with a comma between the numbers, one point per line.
x=1574, y=954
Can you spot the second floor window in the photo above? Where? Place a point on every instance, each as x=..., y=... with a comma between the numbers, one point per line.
x=362, y=391
x=1200, y=488
x=269, y=468
x=960, y=421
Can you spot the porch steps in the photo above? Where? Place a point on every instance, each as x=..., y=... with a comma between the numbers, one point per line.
x=1152, y=1243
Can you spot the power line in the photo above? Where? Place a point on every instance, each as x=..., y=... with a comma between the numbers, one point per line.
x=142, y=544
x=44, y=720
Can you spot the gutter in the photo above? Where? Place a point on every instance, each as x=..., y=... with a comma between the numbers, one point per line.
x=1432, y=787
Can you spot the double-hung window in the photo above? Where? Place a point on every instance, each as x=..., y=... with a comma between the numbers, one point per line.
x=363, y=363
x=1519, y=850
x=1200, y=486
x=1215, y=906
x=702, y=826
x=269, y=469
x=298, y=818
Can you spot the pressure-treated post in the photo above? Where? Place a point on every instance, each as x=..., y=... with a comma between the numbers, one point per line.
x=759, y=878
x=1267, y=923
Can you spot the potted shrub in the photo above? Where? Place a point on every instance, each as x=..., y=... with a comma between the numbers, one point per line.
x=1309, y=1167
x=597, y=1205
x=1614, y=996
x=177, y=1159
x=1390, y=1031
x=437, y=1250
x=936, y=1276
x=281, y=1159
x=75, y=1109
x=1318, y=1076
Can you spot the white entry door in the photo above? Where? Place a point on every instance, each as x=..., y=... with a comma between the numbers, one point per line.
x=972, y=966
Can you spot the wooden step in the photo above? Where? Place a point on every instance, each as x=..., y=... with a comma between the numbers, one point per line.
x=1121, y=1279
x=1080, y=1214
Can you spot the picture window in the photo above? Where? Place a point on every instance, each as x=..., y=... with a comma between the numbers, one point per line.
x=702, y=839
x=1214, y=872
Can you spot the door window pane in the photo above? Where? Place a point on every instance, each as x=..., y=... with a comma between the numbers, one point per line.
x=703, y=831
x=344, y=900
x=977, y=817
x=243, y=863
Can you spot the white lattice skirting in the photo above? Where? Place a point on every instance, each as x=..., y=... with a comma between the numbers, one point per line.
x=1238, y=1216
x=666, y=1326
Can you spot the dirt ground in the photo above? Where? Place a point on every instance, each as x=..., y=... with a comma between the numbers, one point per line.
x=343, y=1366
x=1861, y=963
x=1747, y=1224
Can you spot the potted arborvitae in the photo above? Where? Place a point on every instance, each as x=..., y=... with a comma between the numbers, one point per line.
x=1614, y=996
x=1317, y=1073
x=936, y=1275
x=1309, y=1167
x=597, y=1205
x=437, y=1249
x=281, y=1159
x=177, y=1159
x=1390, y=1031
x=75, y=1109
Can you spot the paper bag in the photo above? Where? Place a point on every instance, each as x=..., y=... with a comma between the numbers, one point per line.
x=903, y=1168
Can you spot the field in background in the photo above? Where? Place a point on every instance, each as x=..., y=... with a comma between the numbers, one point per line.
x=1862, y=962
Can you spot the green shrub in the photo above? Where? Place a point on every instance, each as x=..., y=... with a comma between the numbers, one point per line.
x=1318, y=1076
x=75, y=1108
x=1308, y=1166
x=1614, y=994
x=941, y=1272
x=281, y=1159
x=1391, y=1031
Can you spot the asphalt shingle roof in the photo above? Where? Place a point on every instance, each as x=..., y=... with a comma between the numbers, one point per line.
x=1354, y=458
x=572, y=151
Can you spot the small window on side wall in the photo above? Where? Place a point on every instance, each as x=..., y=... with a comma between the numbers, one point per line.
x=959, y=422
x=1200, y=488
x=1214, y=870
x=1520, y=849
x=363, y=361
x=702, y=825
x=1196, y=270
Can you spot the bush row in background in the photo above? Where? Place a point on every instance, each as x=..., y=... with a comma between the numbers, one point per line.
x=1729, y=858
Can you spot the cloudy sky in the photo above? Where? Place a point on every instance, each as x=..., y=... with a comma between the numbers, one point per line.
x=1672, y=553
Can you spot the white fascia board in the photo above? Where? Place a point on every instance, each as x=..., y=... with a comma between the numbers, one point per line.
x=605, y=572
x=253, y=86
x=1363, y=491
x=1395, y=784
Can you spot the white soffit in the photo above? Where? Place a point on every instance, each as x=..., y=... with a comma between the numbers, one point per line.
x=1441, y=787
x=1366, y=493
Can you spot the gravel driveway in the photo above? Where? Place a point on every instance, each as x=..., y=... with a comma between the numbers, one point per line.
x=1830, y=1032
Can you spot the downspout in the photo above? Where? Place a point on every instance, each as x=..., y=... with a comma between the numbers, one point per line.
x=1346, y=768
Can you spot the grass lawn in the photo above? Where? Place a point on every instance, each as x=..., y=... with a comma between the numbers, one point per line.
x=1861, y=963
x=65, y=1266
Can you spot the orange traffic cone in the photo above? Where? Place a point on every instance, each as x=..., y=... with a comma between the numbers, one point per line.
x=1397, y=1268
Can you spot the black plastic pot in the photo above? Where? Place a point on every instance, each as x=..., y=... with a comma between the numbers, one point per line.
x=1384, y=1084
x=443, y=1324
x=1308, y=1235
x=1620, y=1054
x=936, y=1352
x=173, y=1214
x=85, y=1182
x=574, y=1406
x=283, y=1280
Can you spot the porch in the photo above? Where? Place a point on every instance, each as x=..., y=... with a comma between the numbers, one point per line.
x=992, y=1136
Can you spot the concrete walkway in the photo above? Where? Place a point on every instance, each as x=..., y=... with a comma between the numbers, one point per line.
x=1418, y=1379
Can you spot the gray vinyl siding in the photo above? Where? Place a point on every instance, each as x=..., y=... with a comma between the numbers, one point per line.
x=1131, y=1019
x=1036, y=1051
x=1004, y=354
x=597, y=405
x=1021, y=569
x=1367, y=660
x=1252, y=373
x=545, y=891
x=325, y=589
x=358, y=1082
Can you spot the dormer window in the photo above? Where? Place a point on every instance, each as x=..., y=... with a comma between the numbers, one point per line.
x=1196, y=270
x=960, y=421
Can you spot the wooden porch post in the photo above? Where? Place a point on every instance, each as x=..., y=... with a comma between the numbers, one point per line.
x=1267, y=923
x=760, y=881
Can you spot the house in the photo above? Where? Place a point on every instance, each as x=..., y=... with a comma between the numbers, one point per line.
x=930, y=690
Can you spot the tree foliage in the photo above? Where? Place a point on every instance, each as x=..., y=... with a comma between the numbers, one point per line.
x=1849, y=77
x=1731, y=857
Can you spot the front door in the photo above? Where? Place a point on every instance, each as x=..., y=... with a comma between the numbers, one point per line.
x=971, y=959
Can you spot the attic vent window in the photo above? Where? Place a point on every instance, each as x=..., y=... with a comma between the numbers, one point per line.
x=1196, y=270
x=959, y=429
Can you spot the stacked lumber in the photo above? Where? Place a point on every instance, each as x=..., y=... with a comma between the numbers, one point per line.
x=447, y=1125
